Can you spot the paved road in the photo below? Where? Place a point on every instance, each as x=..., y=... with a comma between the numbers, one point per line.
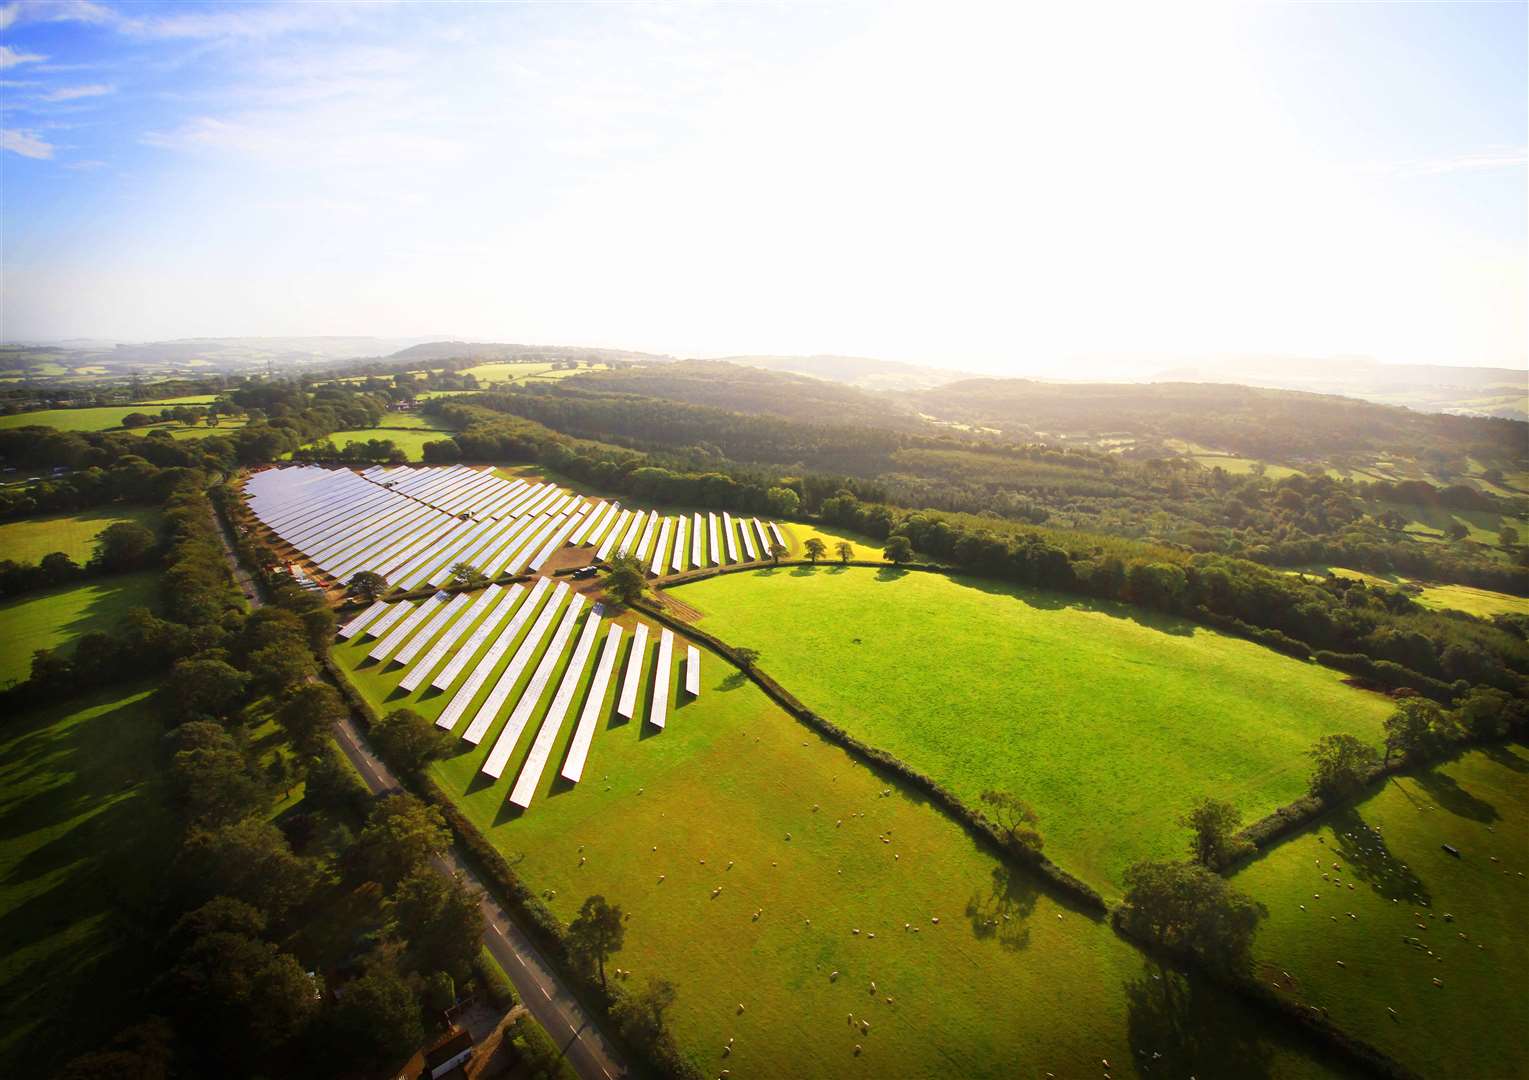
x=544, y=994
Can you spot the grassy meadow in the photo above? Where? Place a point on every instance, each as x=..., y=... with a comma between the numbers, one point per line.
x=733, y=793
x=410, y=441
x=56, y=617
x=1108, y=720
x=88, y=836
x=74, y=534
x=1419, y=915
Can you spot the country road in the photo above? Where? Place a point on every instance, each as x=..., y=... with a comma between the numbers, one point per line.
x=539, y=987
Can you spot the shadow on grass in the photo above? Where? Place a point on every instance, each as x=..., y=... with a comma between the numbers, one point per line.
x=1002, y=913
x=1180, y=1025
x=1045, y=600
x=1509, y=757
x=1445, y=791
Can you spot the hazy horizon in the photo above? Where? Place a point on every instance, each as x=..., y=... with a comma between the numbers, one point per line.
x=1006, y=192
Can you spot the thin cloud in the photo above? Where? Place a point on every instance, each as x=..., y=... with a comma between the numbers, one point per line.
x=26, y=143
x=9, y=57
x=1492, y=159
x=54, y=11
x=75, y=93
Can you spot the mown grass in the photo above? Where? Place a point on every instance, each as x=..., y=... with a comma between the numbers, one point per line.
x=74, y=534
x=88, y=836
x=1469, y=916
x=1481, y=602
x=56, y=617
x=736, y=794
x=1109, y=720
x=97, y=419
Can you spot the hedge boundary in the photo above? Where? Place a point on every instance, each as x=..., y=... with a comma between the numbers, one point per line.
x=1307, y=1020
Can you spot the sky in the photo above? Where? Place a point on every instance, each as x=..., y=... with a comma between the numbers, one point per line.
x=1017, y=188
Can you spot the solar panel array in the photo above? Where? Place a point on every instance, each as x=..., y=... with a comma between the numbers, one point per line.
x=413, y=525
x=554, y=639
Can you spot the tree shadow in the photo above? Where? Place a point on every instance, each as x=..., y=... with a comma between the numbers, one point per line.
x=1362, y=853
x=1045, y=600
x=735, y=679
x=1180, y=1025
x=1447, y=793
x=1508, y=757
x=1002, y=913
x=892, y=573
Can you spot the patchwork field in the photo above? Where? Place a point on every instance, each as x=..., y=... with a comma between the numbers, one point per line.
x=88, y=834
x=410, y=442
x=73, y=534
x=736, y=795
x=1107, y=719
x=56, y=617
x=1418, y=915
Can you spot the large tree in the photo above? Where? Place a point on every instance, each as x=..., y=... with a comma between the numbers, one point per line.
x=1186, y=906
x=898, y=550
x=1417, y=728
x=1015, y=817
x=401, y=833
x=367, y=586
x=641, y=1016
x=440, y=918
x=125, y=545
x=308, y=713
x=624, y=579
x=1343, y=763
x=409, y=741
x=814, y=549
x=595, y=933
x=1213, y=824
x=205, y=687
x=378, y=1019
x=280, y=667
x=249, y=860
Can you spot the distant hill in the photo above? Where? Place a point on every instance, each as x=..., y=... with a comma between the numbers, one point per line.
x=865, y=372
x=433, y=351
x=1462, y=391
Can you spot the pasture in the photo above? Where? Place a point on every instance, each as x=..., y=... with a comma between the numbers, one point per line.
x=735, y=811
x=103, y=418
x=1397, y=912
x=29, y=539
x=1108, y=720
x=57, y=617
x=88, y=837
x=411, y=442
x=1480, y=602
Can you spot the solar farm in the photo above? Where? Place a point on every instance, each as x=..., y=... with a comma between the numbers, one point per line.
x=516, y=661
x=412, y=525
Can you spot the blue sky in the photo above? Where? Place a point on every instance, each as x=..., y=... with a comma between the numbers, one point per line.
x=1017, y=188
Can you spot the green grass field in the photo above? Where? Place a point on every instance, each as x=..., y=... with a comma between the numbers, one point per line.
x=74, y=534
x=100, y=419
x=1109, y=720
x=1469, y=916
x=410, y=442
x=1008, y=982
x=88, y=836
x=56, y=617
x=415, y=421
x=1481, y=602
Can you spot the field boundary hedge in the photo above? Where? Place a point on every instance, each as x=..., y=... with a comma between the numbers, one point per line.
x=973, y=820
x=1308, y=1020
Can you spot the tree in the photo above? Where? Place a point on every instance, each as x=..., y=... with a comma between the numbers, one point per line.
x=440, y=918
x=137, y=420
x=280, y=775
x=778, y=551
x=1416, y=728
x=1487, y=713
x=367, y=586
x=307, y=714
x=214, y=784
x=624, y=579
x=409, y=741
x=1214, y=824
x=235, y=988
x=595, y=933
x=249, y=860
x=1185, y=906
x=641, y=1016
x=378, y=1019
x=747, y=657
x=1507, y=536
x=814, y=549
x=332, y=783
x=122, y=546
x=203, y=688
x=281, y=667
x=782, y=501
x=468, y=575
x=1343, y=765
x=845, y=550
x=400, y=834
x=57, y=568
x=1015, y=817
x=898, y=550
